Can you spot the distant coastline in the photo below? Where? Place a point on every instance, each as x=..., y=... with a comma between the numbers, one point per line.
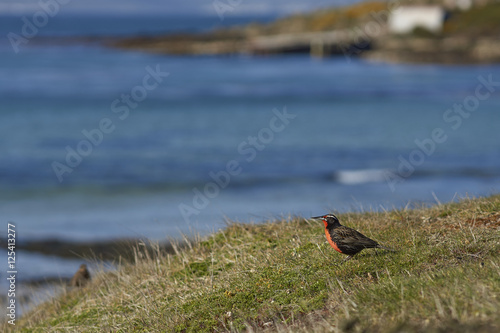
x=360, y=30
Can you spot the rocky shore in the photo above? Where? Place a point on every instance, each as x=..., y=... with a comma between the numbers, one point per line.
x=106, y=250
x=360, y=30
x=451, y=50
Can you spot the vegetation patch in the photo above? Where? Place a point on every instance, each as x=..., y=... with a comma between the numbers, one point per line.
x=283, y=275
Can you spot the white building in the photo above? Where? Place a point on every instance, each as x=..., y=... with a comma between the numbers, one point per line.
x=405, y=19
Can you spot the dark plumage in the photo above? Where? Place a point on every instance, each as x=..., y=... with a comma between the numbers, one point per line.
x=81, y=277
x=344, y=239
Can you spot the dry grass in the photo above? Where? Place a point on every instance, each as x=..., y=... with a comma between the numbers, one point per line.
x=325, y=19
x=283, y=276
x=478, y=21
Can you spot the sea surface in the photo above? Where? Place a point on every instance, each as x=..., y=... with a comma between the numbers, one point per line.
x=99, y=143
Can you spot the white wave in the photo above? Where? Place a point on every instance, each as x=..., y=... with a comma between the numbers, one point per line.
x=354, y=177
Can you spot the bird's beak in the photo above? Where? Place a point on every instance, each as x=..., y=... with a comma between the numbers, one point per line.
x=317, y=218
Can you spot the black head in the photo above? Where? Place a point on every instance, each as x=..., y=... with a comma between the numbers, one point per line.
x=328, y=220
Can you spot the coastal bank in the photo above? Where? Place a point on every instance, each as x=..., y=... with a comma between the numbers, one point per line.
x=283, y=275
x=464, y=36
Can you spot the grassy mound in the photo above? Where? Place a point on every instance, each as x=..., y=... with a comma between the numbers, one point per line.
x=283, y=275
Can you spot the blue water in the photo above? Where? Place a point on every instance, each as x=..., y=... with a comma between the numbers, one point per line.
x=123, y=25
x=350, y=124
x=233, y=8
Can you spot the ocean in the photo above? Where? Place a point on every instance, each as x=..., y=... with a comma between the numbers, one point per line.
x=101, y=144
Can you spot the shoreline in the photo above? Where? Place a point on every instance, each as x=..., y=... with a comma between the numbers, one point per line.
x=113, y=249
x=326, y=34
x=102, y=256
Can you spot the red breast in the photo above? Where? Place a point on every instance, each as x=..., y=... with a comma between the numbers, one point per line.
x=329, y=238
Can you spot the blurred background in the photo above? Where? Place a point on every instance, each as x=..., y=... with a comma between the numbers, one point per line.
x=361, y=108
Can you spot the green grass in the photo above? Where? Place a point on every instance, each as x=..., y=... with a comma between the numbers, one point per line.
x=283, y=275
x=324, y=19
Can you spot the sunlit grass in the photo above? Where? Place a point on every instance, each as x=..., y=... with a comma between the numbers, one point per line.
x=283, y=275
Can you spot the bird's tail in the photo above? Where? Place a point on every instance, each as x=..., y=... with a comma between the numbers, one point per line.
x=386, y=248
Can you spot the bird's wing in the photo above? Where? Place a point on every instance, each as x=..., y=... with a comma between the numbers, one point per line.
x=351, y=237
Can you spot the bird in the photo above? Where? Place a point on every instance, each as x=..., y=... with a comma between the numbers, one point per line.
x=81, y=277
x=344, y=239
